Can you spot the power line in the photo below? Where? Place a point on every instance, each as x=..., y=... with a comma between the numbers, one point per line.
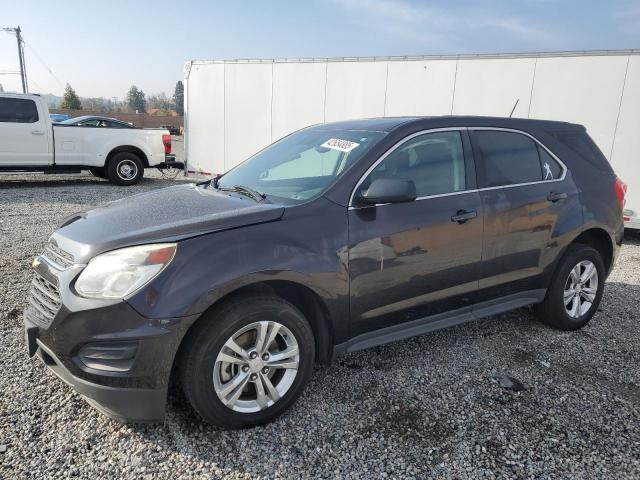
x=39, y=58
x=40, y=89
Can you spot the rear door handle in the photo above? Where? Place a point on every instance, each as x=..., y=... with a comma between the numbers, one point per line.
x=37, y=132
x=463, y=216
x=555, y=196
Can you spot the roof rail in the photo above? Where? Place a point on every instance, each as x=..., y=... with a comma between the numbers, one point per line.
x=467, y=56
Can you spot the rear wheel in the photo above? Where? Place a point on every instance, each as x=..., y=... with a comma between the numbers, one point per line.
x=247, y=362
x=125, y=168
x=576, y=289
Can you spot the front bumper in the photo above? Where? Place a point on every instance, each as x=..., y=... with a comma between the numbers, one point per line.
x=133, y=391
x=119, y=403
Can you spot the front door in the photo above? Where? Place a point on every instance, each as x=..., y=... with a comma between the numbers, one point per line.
x=24, y=135
x=412, y=260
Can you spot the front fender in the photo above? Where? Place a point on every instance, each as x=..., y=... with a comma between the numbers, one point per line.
x=220, y=291
x=307, y=247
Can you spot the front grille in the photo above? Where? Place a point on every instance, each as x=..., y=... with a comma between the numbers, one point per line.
x=44, y=301
x=58, y=256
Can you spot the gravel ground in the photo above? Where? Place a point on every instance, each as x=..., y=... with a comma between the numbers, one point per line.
x=433, y=406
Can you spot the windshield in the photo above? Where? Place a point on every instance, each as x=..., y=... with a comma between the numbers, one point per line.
x=301, y=165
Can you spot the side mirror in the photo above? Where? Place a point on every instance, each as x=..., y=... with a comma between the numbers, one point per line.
x=388, y=190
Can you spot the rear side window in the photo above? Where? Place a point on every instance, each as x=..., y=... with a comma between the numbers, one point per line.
x=510, y=158
x=18, y=110
x=507, y=158
x=551, y=169
x=585, y=147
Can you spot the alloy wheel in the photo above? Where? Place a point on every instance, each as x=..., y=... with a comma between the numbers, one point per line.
x=581, y=289
x=256, y=367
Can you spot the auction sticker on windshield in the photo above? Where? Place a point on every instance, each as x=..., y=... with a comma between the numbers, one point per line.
x=339, y=144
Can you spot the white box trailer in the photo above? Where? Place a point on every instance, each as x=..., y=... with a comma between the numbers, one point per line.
x=234, y=108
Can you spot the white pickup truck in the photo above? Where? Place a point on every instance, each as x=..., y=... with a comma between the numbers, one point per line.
x=30, y=142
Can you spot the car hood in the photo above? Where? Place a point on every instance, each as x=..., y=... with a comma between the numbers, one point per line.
x=166, y=214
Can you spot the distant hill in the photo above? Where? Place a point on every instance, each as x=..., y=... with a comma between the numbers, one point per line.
x=53, y=101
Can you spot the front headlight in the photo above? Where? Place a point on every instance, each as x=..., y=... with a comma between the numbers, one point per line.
x=118, y=273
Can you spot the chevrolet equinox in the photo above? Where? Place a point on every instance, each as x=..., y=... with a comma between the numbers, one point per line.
x=335, y=238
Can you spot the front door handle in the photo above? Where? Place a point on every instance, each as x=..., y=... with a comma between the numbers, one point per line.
x=555, y=196
x=37, y=132
x=463, y=216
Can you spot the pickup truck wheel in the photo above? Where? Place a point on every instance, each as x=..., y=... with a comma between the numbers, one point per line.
x=247, y=361
x=575, y=291
x=125, y=168
x=98, y=172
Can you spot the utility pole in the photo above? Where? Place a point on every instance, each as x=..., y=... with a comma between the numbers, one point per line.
x=23, y=69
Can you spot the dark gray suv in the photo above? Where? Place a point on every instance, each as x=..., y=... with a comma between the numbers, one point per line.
x=336, y=238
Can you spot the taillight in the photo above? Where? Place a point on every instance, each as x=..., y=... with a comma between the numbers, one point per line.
x=621, y=191
x=166, y=140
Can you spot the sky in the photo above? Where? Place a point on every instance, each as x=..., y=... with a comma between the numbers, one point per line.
x=102, y=48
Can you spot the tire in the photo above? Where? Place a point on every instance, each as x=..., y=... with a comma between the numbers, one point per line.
x=98, y=172
x=125, y=168
x=581, y=306
x=207, y=379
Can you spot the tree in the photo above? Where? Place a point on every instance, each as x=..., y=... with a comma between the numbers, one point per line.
x=160, y=101
x=70, y=99
x=136, y=101
x=178, y=98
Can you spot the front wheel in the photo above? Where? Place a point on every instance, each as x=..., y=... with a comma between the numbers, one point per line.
x=125, y=168
x=576, y=289
x=248, y=361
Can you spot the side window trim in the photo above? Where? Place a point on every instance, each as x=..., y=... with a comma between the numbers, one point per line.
x=467, y=159
x=477, y=156
x=471, y=157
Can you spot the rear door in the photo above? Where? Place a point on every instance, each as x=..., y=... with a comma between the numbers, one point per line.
x=24, y=135
x=411, y=260
x=526, y=192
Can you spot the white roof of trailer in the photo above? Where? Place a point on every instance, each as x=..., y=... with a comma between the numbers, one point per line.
x=463, y=56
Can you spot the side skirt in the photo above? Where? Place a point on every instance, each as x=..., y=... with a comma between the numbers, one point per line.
x=440, y=321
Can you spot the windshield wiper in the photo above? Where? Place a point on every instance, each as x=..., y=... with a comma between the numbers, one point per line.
x=247, y=191
x=206, y=183
x=244, y=190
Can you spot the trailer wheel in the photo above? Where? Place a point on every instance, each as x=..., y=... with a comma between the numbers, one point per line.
x=125, y=168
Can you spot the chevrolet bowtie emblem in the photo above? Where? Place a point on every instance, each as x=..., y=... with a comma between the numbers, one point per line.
x=36, y=263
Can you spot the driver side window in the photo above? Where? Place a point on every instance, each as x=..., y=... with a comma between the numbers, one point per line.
x=433, y=161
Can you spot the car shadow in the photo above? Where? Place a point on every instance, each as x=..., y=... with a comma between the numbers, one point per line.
x=461, y=360
x=513, y=342
x=632, y=237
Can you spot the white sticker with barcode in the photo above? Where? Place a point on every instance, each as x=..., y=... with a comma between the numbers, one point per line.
x=339, y=144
